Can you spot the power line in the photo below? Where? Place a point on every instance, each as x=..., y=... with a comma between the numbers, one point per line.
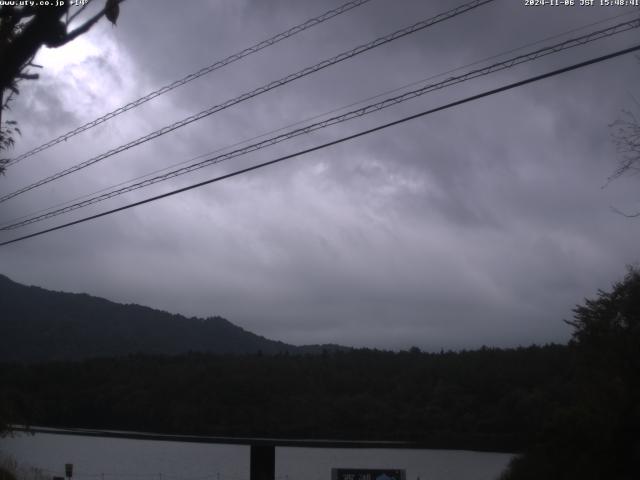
x=314, y=117
x=487, y=93
x=339, y=119
x=265, y=88
x=192, y=76
x=509, y=63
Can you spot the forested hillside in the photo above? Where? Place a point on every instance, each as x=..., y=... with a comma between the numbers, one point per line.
x=487, y=399
x=573, y=409
x=42, y=325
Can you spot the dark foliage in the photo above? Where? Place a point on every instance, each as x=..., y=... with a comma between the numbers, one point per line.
x=24, y=29
x=40, y=325
x=574, y=410
x=598, y=435
x=6, y=474
x=488, y=399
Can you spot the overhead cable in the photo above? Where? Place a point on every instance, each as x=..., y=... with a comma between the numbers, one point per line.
x=192, y=76
x=494, y=91
x=316, y=116
x=265, y=88
x=509, y=63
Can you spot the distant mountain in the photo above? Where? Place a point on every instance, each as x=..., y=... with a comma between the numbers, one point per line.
x=43, y=325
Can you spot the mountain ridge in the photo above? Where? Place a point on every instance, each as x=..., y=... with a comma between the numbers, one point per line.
x=43, y=325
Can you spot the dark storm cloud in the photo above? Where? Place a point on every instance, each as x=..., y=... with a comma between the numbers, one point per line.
x=483, y=224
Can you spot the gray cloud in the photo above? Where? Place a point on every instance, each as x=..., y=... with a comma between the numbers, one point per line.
x=483, y=224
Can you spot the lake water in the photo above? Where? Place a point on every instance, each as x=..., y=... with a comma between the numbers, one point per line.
x=100, y=458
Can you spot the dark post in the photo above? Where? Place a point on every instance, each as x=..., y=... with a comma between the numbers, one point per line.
x=68, y=470
x=263, y=462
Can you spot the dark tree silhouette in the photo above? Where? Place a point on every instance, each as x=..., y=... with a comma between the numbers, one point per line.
x=23, y=31
x=625, y=133
x=626, y=136
x=597, y=435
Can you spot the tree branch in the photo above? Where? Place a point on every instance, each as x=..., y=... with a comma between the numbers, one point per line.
x=28, y=76
x=80, y=10
x=89, y=23
x=84, y=28
x=628, y=215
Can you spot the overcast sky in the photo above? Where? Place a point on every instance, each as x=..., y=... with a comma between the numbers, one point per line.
x=484, y=224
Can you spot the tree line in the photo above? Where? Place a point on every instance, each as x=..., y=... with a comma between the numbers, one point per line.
x=489, y=399
x=572, y=411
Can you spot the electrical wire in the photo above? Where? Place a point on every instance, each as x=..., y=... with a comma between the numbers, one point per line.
x=487, y=93
x=265, y=88
x=509, y=63
x=192, y=76
x=314, y=117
